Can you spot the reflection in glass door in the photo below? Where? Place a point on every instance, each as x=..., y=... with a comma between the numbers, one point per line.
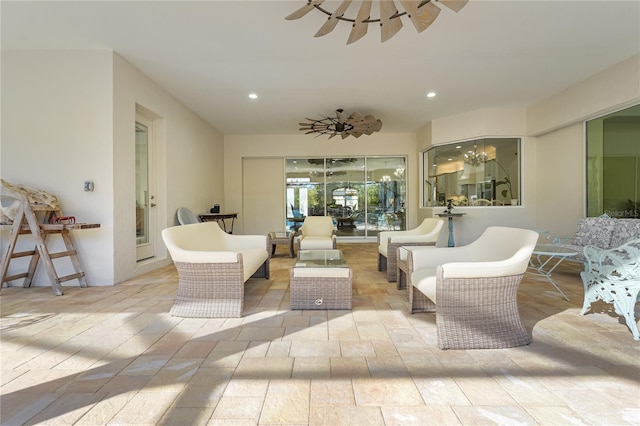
x=305, y=190
x=144, y=240
x=346, y=195
x=364, y=195
x=386, y=190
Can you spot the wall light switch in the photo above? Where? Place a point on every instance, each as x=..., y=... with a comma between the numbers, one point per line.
x=88, y=185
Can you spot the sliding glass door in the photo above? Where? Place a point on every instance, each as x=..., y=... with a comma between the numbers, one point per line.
x=363, y=194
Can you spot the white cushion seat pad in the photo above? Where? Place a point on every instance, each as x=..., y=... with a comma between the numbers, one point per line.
x=321, y=272
x=316, y=243
x=425, y=281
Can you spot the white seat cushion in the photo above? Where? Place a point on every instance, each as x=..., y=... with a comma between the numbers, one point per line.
x=252, y=260
x=321, y=272
x=425, y=281
x=316, y=243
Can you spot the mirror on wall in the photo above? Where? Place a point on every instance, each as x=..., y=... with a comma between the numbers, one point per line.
x=480, y=172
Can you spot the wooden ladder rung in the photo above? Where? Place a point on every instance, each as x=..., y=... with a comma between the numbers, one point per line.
x=15, y=277
x=23, y=254
x=62, y=254
x=71, y=277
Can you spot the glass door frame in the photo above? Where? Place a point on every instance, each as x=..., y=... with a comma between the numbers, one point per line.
x=144, y=198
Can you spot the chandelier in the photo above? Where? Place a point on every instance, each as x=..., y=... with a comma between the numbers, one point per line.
x=475, y=158
x=354, y=125
x=421, y=13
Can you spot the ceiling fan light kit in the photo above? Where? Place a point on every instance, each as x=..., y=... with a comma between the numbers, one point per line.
x=354, y=125
x=422, y=13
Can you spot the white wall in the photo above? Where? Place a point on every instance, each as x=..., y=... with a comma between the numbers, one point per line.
x=237, y=147
x=189, y=157
x=553, y=151
x=558, y=123
x=561, y=180
x=612, y=89
x=57, y=114
x=69, y=116
x=475, y=125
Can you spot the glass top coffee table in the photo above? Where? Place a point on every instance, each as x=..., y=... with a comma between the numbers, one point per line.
x=320, y=279
x=321, y=259
x=544, y=268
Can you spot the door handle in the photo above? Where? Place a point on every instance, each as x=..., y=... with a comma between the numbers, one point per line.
x=153, y=204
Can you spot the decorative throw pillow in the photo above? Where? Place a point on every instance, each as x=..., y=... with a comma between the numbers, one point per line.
x=595, y=231
x=625, y=231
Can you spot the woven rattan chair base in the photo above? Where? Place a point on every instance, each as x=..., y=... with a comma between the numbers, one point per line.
x=316, y=293
x=389, y=262
x=211, y=290
x=478, y=313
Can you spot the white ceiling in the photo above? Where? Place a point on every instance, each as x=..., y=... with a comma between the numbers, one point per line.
x=212, y=54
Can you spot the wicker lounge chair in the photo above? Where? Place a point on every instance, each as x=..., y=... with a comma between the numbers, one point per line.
x=213, y=267
x=472, y=289
x=388, y=241
x=316, y=233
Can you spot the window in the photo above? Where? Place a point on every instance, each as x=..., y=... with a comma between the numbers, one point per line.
x=482, y=172
x=363, y=194
x=613, y=164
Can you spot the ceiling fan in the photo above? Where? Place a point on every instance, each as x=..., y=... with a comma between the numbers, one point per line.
x=354, y=125
x=422, y=13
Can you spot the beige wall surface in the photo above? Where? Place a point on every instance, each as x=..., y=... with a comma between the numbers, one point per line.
x=553, y=168
x=559, y=124
x=560, y=175
x=263, y=206
x=69, y=116
x=608, y=91
x=238, y=147
x=189, y=159
x=476, y=125
x=57, y=112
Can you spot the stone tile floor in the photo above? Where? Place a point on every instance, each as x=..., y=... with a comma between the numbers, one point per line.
x=113, y=355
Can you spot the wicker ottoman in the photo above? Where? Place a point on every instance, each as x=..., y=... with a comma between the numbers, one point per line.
x=320, y=279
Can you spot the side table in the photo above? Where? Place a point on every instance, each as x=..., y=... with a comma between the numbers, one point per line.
x=552, y=253
x=276, y=238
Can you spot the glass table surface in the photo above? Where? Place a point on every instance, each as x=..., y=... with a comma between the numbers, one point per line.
x=321, y=259
x=553, y=250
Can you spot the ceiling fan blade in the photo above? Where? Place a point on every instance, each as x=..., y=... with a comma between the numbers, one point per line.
x=331, y=23
x=304, y=10
x=421, y=17
x=388, y=27
x=360, y=28
x=454, y=5
x=356, y=116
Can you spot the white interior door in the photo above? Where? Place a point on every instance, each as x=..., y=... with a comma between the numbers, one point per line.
x=145, y=218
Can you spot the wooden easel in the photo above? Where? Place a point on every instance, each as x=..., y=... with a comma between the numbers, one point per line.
x=26, y=222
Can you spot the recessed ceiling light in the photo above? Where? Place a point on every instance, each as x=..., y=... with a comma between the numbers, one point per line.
x=431, y=95
x=253, y=96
